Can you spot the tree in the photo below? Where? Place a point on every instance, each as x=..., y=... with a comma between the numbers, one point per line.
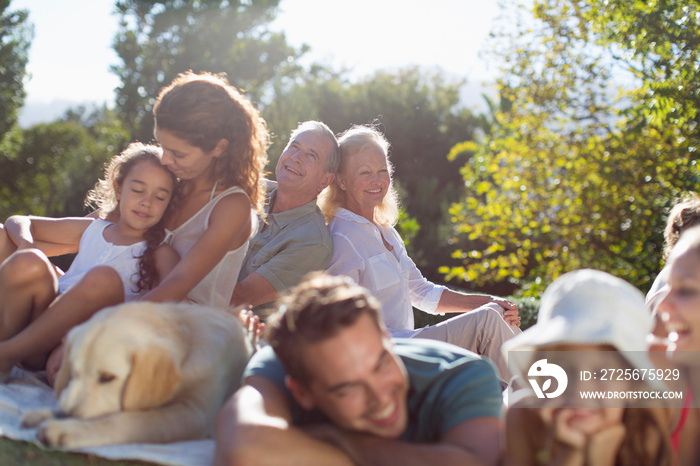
x=48, y=168
x=569, y=176
x=157, y=40
x=15, y=38
x=659, y=42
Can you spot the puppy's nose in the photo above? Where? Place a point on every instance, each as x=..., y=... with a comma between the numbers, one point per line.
x=62, y=415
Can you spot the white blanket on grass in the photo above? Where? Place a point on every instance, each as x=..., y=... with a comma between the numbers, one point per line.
x=27, y=390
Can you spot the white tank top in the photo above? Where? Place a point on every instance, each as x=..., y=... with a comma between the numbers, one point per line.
x=216, y=288
x=96, y=250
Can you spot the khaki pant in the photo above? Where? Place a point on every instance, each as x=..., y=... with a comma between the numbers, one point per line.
x=482, y=331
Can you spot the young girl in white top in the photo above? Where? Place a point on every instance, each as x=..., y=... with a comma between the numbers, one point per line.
x=37, y=307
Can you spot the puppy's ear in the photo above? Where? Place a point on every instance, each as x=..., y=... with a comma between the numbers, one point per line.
x=153, y=379
x=64, y=373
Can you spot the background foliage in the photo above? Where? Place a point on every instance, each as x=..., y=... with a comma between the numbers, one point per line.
x=157, y=40
x=15, y=37
x=573, y=171
x=593, y=134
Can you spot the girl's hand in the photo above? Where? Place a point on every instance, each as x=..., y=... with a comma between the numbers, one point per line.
x=253, y=326
x=604, y=445
x=596, y=444
x=53, y=363
x=558, y=421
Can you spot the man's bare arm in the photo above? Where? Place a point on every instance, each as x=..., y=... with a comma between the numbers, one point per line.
x=473, y=442
x=254, y=290
x=254, y=428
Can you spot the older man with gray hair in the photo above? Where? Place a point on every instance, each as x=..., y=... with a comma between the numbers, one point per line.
x=293, y=239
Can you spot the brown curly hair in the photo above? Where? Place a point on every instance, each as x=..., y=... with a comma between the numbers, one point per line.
x=316, y=309
x=204, y=108
x=684, y=214
x=103, y=197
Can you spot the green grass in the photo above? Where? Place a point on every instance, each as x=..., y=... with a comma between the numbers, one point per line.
x=23, y=453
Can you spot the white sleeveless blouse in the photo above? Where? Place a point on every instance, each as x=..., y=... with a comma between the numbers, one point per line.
x=216, y=288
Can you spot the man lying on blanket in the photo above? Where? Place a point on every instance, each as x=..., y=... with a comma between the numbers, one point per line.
x=352, y=395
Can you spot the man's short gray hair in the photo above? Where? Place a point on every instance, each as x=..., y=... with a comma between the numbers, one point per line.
x=333, y=158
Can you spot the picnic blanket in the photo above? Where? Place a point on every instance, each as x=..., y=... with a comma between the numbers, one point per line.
x=26, y=390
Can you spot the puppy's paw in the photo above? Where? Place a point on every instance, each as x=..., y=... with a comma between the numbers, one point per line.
x=34, y=417
x=62, y=433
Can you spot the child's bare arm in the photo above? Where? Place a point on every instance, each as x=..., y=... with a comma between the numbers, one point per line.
x=54, y=236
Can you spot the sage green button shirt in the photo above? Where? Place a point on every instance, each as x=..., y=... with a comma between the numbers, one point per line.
x=289, y=245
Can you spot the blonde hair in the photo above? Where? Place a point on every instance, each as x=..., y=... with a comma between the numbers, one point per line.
x=353, y=141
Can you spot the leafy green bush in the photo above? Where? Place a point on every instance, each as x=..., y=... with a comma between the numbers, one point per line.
x=528, y=308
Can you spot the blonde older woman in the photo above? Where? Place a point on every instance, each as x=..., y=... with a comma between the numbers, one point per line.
x=361, y=207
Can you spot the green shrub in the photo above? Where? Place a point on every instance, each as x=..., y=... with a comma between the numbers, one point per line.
x=528, y=308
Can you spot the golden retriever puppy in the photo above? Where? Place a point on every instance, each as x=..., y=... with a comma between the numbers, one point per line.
x=145, y=372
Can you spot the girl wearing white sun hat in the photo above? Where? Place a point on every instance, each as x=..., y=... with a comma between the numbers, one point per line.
x=591, y=325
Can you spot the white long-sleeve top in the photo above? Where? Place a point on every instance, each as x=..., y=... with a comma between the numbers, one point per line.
x=391, y=276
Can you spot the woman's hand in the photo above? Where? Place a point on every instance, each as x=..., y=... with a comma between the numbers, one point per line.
x=511, y=314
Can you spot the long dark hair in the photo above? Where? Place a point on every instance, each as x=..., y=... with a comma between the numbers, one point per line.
x=640, y=424
x=104, y=198
x=204, y=108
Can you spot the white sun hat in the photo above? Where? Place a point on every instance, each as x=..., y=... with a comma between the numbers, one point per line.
x=589, y=307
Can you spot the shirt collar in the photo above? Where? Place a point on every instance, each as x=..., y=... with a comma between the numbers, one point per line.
x=346, y=214
x=288, y=216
